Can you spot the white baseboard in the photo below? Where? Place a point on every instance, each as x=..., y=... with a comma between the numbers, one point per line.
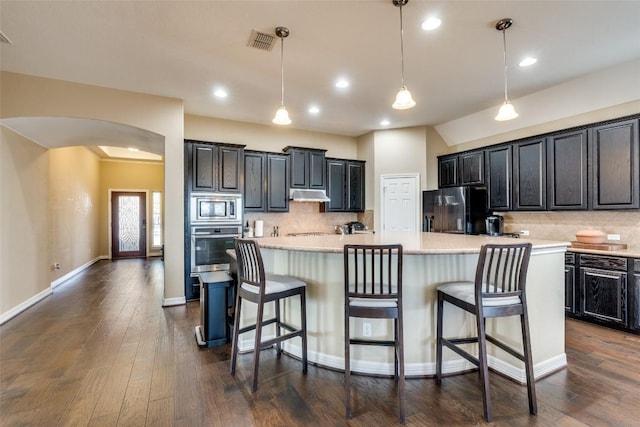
x=72, y=273
x=25, y=305
x=168, y=302
x=418, y=369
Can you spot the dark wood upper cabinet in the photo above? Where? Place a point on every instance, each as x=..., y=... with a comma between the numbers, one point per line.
x=567, y=171
x=355, y=186
x=529, y=175
x=277, y=182
x=498, y=177
x=307, y=168
x=214, y=167
x=614, y=159
x=471, y=168
x=447, y=171
x=345, y=185
x=336, y=185
x=255, y=181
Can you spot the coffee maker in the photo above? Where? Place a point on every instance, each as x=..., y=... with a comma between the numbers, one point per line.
x=494, y=225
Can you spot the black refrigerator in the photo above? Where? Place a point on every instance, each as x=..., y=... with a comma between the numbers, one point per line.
x=459, y=210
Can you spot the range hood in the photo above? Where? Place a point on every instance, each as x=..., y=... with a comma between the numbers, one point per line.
x=304, y=195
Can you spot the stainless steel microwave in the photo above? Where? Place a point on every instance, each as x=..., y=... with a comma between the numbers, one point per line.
x=214, y=208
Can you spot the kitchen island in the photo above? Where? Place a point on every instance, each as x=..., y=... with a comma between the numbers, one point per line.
x=429, y=260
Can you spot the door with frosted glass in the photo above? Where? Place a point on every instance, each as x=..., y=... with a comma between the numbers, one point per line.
x=128, y=225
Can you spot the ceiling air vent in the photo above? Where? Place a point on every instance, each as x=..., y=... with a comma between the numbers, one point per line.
x=260, y=40
x=4, y=39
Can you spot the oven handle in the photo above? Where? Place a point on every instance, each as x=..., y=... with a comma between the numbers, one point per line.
x=215, y=235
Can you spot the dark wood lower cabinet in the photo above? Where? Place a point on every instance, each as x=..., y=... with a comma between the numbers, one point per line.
x=570, y=283
x=604, y=295
x=603, y=289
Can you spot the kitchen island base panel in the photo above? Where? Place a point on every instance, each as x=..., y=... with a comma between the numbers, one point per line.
x=422, y=274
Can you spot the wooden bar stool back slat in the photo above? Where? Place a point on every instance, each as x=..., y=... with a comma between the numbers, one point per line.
x=373, y=289
x=498, y=291
x=260, y=288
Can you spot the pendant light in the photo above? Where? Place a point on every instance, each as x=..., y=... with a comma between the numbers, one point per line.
x=282, y=116
x=506, y=112
x=403, y=98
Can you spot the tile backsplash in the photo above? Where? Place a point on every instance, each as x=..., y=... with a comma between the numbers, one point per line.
x=303, y=217
x=562, y=225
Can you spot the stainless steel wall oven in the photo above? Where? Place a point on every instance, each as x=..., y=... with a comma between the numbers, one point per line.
x=209, y=245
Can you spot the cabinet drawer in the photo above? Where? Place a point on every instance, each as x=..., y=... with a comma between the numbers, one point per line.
x=569, y=258
x=605, y=262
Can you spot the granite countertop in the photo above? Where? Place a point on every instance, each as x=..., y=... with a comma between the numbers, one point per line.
x=412, y=242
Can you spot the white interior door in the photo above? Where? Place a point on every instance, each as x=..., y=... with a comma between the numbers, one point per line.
x=400, y=202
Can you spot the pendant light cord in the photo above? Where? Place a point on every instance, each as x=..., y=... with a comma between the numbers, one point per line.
x=401, y=48
x=282, y=71
x=504, y=45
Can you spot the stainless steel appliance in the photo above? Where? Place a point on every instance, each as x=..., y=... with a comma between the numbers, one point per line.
x=455, y=210
x=209, y=245
x=494, y=225
x=215, y=208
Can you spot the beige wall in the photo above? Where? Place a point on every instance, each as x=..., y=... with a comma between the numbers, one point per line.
x=74, y=208
x=266, y=138
x=28, y=96
x=131, y=176
x=24, y=222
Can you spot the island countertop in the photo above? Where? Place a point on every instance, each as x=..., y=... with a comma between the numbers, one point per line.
x=413, y=243
x=430, y=260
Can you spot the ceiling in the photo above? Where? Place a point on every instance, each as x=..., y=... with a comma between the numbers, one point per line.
x=187, y=49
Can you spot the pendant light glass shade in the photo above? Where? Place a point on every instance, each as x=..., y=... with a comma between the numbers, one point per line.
x=507, y=111
x=403, y=98
x=282, y=116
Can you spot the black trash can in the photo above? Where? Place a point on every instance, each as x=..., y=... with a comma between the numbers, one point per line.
x=216, y=297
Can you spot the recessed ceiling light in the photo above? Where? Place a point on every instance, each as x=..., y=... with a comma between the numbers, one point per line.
x=342, y=83
x=529, y=60
x=431, y=23
x=133, y=149
x=385, y=122
x=220, y=93
x=314, y=109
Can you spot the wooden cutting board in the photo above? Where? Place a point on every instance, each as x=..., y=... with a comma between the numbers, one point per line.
x=600, y=246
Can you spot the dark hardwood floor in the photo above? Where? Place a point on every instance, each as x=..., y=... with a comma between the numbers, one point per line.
x=101, y=351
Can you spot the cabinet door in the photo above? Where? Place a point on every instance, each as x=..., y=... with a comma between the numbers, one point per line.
x=529, y=173
x=634, y=297
x=448, y=171
x=355, y=186
x=604, y=295
x=471, y=168
x=255, y=183
x=277, y=182
x=317, y=170
x=498, y=178
x=567, y=171
x=336, y=185
x=299, y=168
x=614, y=162
x=205, y=157
x=230, y=167
x=570, y=288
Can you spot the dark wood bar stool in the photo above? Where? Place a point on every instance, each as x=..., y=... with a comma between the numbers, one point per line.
x=373, y=289
x=498, y=291
x=260, y=288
